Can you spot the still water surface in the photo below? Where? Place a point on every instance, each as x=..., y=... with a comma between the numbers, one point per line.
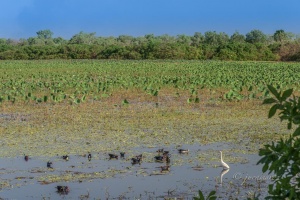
x=31, y=179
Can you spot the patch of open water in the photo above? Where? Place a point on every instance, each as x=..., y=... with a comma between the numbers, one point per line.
x=101, y=178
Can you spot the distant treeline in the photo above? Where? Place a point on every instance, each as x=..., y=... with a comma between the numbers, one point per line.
x=255, y=45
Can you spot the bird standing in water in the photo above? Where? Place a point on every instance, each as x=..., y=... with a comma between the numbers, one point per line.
x=225, y=166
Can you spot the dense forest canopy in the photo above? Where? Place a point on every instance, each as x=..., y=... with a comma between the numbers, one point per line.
x=255, y=45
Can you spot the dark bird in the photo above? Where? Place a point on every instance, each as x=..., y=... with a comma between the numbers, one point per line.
x=89, y=156
x=181, y=151
x=26, y=157
x=159, y=158
x=62, y=189
x=122, y=154
x=160, y=150
x=140, y=157
x=66, y=157
x=49, y=164
x=111, y=156
x=163, y=158
x=135, y=161
x=168, y=159
x=165, y=168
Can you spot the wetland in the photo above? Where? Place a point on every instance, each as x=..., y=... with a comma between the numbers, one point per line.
x=51, y=131
x=119, y=115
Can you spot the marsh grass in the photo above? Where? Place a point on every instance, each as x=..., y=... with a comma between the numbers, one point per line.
x=101, y=126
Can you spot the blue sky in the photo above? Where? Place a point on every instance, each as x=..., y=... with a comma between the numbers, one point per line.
x=65, y=18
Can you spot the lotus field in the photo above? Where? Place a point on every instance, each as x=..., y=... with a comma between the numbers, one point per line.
x=74, y=82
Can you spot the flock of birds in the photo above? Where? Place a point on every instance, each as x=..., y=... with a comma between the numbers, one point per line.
x=163, y=156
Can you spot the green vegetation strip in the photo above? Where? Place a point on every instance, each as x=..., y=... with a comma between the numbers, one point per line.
x=88, y=80
x=75, y=107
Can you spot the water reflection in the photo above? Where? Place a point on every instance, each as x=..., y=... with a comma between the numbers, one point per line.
x=223, y=172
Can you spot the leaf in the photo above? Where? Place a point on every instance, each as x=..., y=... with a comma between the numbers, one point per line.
x=263, y=160
x=83, y=98
x=39, y=100
x=269, y=101
x=265, y=168
x=104, y=95
x=77, y=101
x=125, y=102
x=273, y=110
x=250, y=88
x=289, y=125
x=212, y=195
x=274, y=91
x=296, y=118
x=286, y=94
x=297, y=132
x=201, y=195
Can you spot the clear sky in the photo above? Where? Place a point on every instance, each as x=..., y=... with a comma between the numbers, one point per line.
x=65, y=18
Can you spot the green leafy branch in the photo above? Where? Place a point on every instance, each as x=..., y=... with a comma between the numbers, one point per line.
x=283, y=157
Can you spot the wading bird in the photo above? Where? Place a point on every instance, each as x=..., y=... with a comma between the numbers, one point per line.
x=135, y=161
x=225, y=166
x=183, y=151
x=62, y=189
x=90, y=157
x=49, y=164
x=111, y=156
x=66, y=157
x=165, y=168
x=122, y=154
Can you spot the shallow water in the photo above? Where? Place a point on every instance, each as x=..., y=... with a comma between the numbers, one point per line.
x=102, y=178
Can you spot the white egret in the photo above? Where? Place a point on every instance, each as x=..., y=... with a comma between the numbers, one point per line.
x=225, y=166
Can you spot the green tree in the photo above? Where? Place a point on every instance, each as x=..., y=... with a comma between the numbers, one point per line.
x=2, y=41
x=44, y=34
x=83, y=38
x=11, y=42
x=256, y=36
x=237, y=37
x=106, y=41
x=215, y=39
x=59, y=40
x=280, y=36
x=197, y=39
x=166, y=38
x=183, y=39
x=35, y=41
x=125, y=40
x=23, y=42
